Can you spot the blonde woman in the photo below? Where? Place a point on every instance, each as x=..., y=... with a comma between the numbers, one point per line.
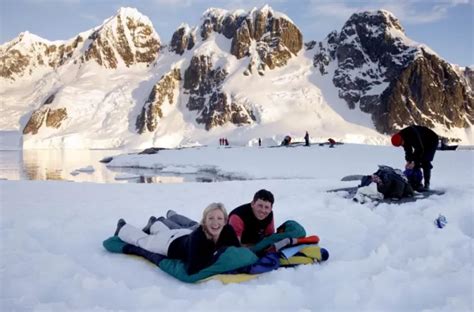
x=197, y=248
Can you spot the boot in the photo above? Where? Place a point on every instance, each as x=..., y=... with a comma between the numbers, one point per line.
x=120, y=224
x=427, y=178
x=147, y=227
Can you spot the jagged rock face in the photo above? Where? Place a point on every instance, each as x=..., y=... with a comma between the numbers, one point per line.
x=18, y=58
x=13, y=63
x=113, y=37
x=182, y=40
x=277, y=39
x=365, y=46
x=53, y=118
x=427, y=91
x=370, y=54
x=468, y=74
x=152, y=110
x=215, y=107
x=123, y=39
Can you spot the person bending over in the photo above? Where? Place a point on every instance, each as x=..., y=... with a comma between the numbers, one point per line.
x=420, y=145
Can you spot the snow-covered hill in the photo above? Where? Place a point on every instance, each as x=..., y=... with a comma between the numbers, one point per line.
x=240, y=75
x=386, y=258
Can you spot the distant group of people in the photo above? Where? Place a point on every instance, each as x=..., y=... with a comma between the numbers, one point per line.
x=199, y=244
x=287, y=141
x=223, y=141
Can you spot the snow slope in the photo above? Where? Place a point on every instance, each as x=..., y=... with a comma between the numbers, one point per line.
x=384, y=258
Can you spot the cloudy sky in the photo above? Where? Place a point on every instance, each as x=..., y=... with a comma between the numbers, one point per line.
x=444, y=25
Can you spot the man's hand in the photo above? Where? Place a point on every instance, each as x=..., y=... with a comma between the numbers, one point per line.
x=410, y=165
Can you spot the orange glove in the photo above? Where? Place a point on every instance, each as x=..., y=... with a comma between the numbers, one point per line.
x=313, y=239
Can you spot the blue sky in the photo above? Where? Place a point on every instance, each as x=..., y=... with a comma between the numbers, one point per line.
x=444, y=25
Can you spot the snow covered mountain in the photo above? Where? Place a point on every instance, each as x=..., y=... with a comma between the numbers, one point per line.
x=241, y=75
x=376, y=68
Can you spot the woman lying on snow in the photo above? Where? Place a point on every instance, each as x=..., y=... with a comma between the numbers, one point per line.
x=198, y=248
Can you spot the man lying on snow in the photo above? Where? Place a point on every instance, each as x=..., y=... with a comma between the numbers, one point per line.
x=254, y=221
x=197, y=248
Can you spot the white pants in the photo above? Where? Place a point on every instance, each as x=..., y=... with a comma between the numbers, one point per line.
x=158, y=241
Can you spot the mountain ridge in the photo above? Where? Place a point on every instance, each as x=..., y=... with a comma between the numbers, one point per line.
x=239, y=74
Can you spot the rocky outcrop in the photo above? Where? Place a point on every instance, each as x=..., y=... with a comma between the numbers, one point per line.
x=428, y=91
x=183, y=39
x=163, y=91
x=380, y=72
x=127, y=38
x=276, y=38
x=13, y=63
x=51, y=118
x=203, y=83
x=111, y=44
x=467, y=73
x=28, y=52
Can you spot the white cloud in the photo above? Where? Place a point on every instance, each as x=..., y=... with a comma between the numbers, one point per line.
x=174, y=3
x=53, y=1
x=408, y=11
x=224, y=4
x=90, y=17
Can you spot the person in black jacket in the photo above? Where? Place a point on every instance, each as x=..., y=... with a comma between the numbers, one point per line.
x=197, y=248
x=306, y=139
x=391, y=184
x=420, y=145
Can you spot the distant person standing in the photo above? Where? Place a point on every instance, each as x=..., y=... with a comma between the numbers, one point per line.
x=420, y=145
x=259, y=142
x=306, y=139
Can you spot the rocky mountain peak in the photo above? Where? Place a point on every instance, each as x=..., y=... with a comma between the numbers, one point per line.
x=26, y=40
x=398, y=81
x=275, y=36
x=128, y=37
x=183, y=39
x=383, y=20
x=28, y=52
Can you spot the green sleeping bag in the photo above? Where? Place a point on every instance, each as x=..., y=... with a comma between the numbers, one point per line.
x=231, y=259
x=289, y=229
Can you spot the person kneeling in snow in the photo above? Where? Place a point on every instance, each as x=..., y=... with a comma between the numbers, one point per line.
x=390, y=183
x=197, y=248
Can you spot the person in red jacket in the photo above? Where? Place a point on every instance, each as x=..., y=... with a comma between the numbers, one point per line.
x=254, y=221
x=420, y=145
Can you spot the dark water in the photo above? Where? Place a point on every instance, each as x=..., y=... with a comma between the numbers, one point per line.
x=85, y=166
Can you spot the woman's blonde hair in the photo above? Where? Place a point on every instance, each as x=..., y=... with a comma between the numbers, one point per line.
x=212, y=207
